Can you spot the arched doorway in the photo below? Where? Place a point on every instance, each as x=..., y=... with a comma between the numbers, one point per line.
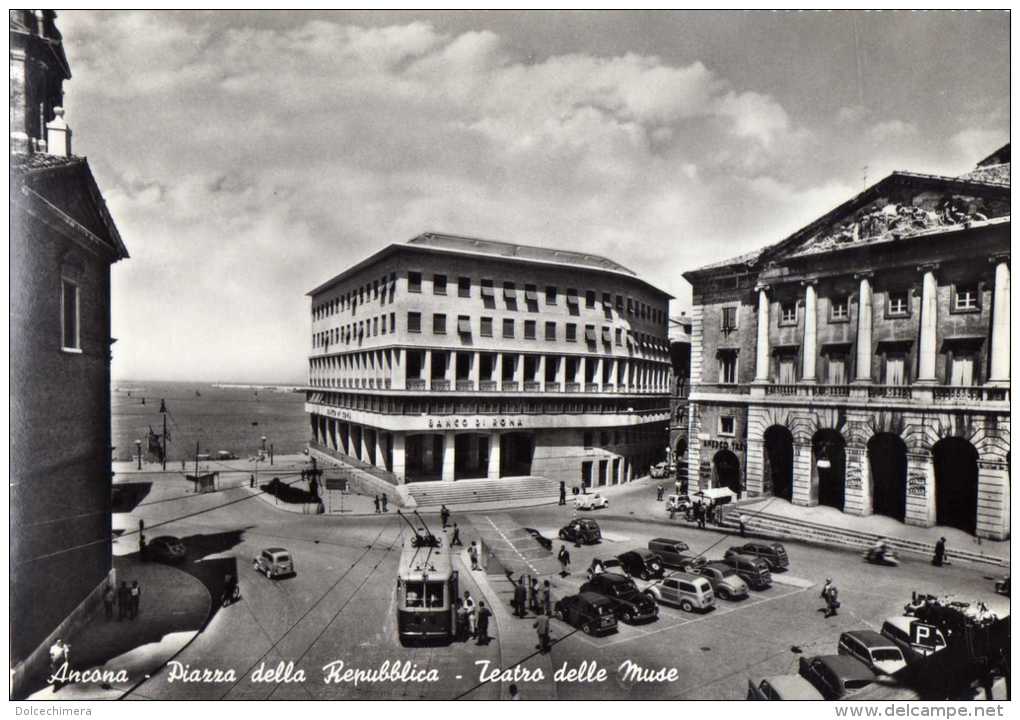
x=515, y=452
x=727, y=471
x=956, y=481
x=887, y=459
x=778, y=461
x=828, y=467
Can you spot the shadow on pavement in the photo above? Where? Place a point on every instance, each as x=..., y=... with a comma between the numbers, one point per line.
x=125, y=497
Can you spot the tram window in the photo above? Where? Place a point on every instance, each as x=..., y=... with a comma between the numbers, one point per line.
x=434, y=594
x=413, y=595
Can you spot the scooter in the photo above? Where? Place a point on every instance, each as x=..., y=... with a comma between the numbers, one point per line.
x=882, y=557
x=1002, y=586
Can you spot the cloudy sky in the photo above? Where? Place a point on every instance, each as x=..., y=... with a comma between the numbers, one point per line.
x=247, y=157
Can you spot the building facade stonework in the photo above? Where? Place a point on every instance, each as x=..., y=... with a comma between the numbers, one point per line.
x=449, y=358
x=863, y=362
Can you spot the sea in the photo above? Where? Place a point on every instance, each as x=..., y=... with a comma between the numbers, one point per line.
x=212, y=417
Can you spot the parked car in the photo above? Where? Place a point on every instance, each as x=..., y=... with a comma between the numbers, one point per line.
x=690, y=592
x=713, y=497
x=591, y=502
x=608, y=565
x=878, y=652
x=659, y=470
x=629, y=603
x=898, y=629
x=771, y=552
x=752, y=570
x=680, y=503
x=591, y=612
x=641, y=563
x=726, y=584
x=1002, y=586
x=166, y=548
x=581, y=529
x=676, y=554
x=783, y=687
x=542, y=539
x=274, y=562
x=835, y=676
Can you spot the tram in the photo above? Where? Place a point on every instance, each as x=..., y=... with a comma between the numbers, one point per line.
x=426, y=588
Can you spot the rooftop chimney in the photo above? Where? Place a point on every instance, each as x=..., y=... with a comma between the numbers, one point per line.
x=58, y=135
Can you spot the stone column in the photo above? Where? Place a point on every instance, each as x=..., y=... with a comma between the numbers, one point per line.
x=519, y=372
x=920, y=488
x=497, y=371
x=929, y=326
x=427, y=369
x=597, y=375
x=399, y=468
x=451, y=369
x=561, y=372
x=810, y=332
x=449, y=455
x=999, y=374
x=761, y=363
x=857, y=482
x=366, y=447
x=802, y=494
x=541, y=370
x=993, y=498
x=380, y=450
x=476, y=370
x=862, y=371
x=494, y=456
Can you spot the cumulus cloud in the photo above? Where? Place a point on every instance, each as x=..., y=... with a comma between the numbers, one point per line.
x=891, y=130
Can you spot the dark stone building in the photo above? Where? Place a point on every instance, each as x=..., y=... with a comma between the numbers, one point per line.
x=62, y=244
x=680, y=387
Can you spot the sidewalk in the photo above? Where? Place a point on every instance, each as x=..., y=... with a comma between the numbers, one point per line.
x=173, y=609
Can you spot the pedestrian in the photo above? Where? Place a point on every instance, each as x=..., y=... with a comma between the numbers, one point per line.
x=939, y=559
x=473, y=554
x=444, y=515
x=547, y=598
x=136, y=598
x=385, y=503
x=743, y=525
x=564, y=558
x=123, y=600
x=60, y=659
x=483, y=623
x=515, y=694
x=699, y=513
x=141, y=547
x=375, y=499
x=541, y=626
x=471, y=612
x=108, y=598
x=456, y=536
x=461, y=613
x=251, y=481
x=563, y=493
x=672, y=511
x=534, y=596
x=831, y=596
x=520, y=597
x=658, y=495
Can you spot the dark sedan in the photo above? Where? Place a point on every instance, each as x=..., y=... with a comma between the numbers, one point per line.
x=641, y=563
x=836, y=676
x=771, y=552
x=166, y=548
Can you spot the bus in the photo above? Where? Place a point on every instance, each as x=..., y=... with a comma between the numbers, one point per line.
x=426, y=588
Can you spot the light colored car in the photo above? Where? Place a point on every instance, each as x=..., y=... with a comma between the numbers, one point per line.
x=690, y=592
x=724, y=580
x=659, y=470
x=274, y=562
x=876, y=651
x=591, y=502
x=783, y=687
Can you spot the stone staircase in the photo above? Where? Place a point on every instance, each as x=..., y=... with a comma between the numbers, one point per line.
x=464, y=492
x=779, y=526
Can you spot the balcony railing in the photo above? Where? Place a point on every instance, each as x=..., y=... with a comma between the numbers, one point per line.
x=573, y=387
x=889, y=392
x=553, y=387
x=591, y=387
x=532, y=386
x=970, y=393
x=487, y=386
x=416, y=383
x=809, y=390
x=465, y=386
x=608, y=387
x=510, y=386
x=440, y=385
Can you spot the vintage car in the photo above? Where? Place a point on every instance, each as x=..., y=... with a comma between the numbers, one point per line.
x=539, y=538
x=836, y=676
x=726, y=584
x=676, y=554
x=876, y=651
x=629, y=603
x=166, y=549
x=591, y=612
x=598, y=566
x=591, y=502
x=581, y=530
x=771, y=552
x=690, y=592
x=659, y=470
x=641, y=563
x=274, y=562
x=752, y=570
x=783, y=687
x=901, y=630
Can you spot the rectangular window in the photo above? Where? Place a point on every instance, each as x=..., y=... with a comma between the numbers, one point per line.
x=607, y=336
x=727, y=368
x=727, y=425
x=966, y=299
x=383, y=324
x=788, y=313
x=729, y=319
x=438, y=284
x=787, y=369
x=71, y=338
x=414, y=282
x=393, y=322
x=414, y=322
x=630, y=306
x=589, y=333
x=550, y=295
x=572, y=296
x=839, y=308
x=550, y=331
x=508, y=328
x=589, y=299
x=898, y=303
x=571, y=332
x=530, y=294
x=464, y=287
x=895, y=370
x=486, y=328
x=439, y=324
x=589, y=438
x=375, y=326
x=463, y=325
x=509, y=292
x=529, y=329
x=619, y=303
x=619, y=337
x=837, y=370
x=962, y=371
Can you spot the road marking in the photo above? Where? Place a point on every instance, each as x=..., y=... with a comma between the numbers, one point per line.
x=792, y=580
x=512, y=546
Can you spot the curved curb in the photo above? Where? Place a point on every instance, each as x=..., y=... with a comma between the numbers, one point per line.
x=296, y=508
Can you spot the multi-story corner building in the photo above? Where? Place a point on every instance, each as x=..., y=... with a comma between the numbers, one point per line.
x=863, y=362
x=62, y=244
x=680, y=357
x=449, y=357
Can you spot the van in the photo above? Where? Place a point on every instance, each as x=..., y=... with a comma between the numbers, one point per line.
x=754, y=571
x=714, y=497
x=898, y=629
x=676, y=553
x=690, y=592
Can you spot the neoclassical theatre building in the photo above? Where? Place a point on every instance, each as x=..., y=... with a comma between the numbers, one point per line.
x=863, y=362
x=449, y=358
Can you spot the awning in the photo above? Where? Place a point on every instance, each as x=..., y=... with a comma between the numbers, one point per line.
x=607, y=336
x=619, y=302
x=464, y=326
x=531, y=295
x=607, y=302
x=572, y=297
x=509, y=292
x=589, y=334
x=487, y=291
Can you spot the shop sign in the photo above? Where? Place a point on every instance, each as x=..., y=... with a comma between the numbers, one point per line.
x=917, y=484
x=476, y=422
x=853, y=477
x=337, y=413
x=725, y=445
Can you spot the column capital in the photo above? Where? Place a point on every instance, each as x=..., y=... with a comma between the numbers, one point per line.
x=762, y=287
x=928, y=267
x=807, y=282
x=864, y=275
x=997, y=258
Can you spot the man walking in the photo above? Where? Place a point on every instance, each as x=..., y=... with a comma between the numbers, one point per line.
x=385, y=503
x=520, y=597
x=473, y=554
x=563, y=493
x=547, y=597
x=136, y=598
x=123, y=600
x=108, y=598
x=541, y=626
x=831, y=596
x=658, y=493
x=444, y=515
x=456, y=536
x=564, y=558
x=483, y=623
x=472, y=613
x=375, y=499
x=939, y=559
x=743, y=525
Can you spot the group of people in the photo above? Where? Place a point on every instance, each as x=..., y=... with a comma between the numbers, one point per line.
x=472, y=619
x=127, y=599
x=381, y=503
x=530, y=594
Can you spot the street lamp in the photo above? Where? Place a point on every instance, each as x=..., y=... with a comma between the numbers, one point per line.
x=138, y=449
x=263, y=444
